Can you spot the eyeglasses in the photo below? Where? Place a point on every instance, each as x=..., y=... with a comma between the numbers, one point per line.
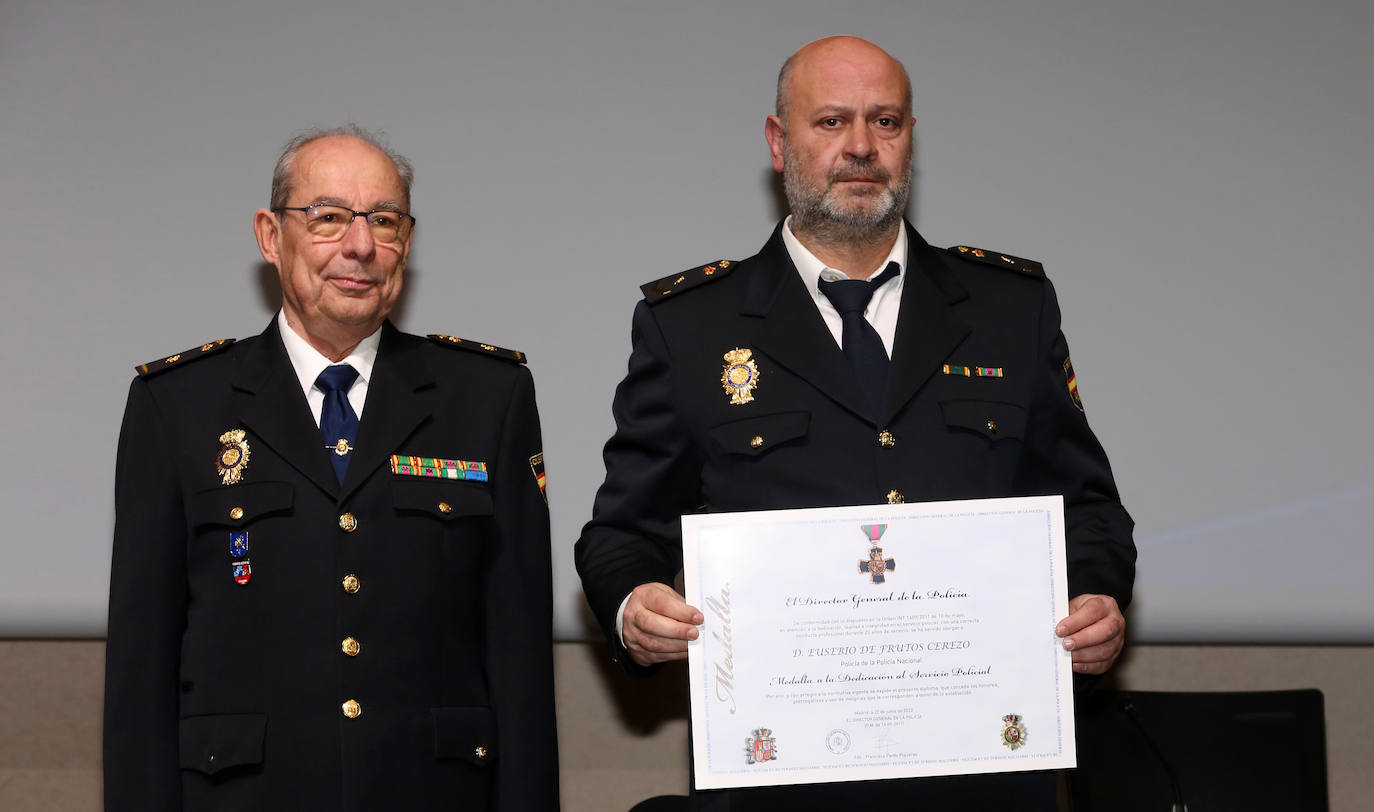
x=330, y=222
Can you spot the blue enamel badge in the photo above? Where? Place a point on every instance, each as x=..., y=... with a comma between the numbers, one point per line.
x=238, y=544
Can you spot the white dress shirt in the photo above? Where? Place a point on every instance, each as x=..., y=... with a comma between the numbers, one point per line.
x=309, y=363
x=882, y=308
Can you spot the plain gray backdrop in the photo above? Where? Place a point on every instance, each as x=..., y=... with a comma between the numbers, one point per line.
x=1196, y=177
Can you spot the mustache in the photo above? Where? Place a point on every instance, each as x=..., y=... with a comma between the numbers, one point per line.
x=859, y=170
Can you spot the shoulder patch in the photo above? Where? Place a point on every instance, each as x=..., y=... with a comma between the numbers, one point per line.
x=182, y=358
x=476, y=346
x=1028, y=267
x=660, y=289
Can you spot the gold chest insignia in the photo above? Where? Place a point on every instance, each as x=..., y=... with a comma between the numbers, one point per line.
x=233, y=456
x=740, y=377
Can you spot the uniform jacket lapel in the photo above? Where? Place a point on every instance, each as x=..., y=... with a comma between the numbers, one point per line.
x=790, y=330
x=928, y=329
x=400, y=398
x=269, y=401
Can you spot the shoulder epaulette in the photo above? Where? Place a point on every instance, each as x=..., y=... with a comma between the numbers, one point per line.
x=475, y=346
x=1029, y=267
x=659, y=289
x=182, y=358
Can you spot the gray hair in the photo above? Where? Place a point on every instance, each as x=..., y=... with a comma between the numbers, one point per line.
x=281, y=174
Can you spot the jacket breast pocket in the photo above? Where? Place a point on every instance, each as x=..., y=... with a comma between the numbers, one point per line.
x=993, y=420
x=754, y=436
x=441, y=499
x=240, y=505
x=218, y=742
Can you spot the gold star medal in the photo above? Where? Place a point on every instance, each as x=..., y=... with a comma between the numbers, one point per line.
x=740, y=377
x=233, y=456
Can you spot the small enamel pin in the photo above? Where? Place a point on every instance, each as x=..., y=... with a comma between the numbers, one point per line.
x=238, y=543
x=243, y=572
x=740, y=377
x=233, y=456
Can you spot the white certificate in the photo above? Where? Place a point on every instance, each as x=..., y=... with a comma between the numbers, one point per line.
x=889, y=641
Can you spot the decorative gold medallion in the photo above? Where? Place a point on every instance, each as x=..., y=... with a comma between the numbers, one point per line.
x=233, y=456
x=341, y=448
x=740, y=377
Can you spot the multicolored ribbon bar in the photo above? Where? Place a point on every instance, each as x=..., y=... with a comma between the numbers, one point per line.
x=874, y=531
x=972, y=372
x=438, y=468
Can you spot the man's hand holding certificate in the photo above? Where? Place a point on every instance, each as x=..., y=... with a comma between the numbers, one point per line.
x=888, y=641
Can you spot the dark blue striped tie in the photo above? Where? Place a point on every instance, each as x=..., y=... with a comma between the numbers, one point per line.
x=861, y=343
x=338, y=421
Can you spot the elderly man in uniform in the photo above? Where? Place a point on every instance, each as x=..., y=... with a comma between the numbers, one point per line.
x=330, y=585
x=869, y=367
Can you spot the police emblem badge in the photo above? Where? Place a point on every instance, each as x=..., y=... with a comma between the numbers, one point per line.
x=540, y=478
x=875, y=566
x=233, y=456
x=740, y=377
x=1013, y=732
x=243, y=572
x=760, y=747
x=1072, y=381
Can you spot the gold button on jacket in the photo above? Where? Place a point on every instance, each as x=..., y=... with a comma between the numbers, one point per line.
x=348, y=522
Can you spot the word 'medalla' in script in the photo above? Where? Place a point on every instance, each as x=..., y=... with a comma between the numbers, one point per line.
x=725, y=668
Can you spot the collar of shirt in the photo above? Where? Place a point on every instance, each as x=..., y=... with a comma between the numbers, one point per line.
x=882, y=308
x=309, y=363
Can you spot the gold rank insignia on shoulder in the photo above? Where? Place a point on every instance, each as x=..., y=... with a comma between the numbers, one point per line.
x=996, y=259
x=658, y=289
x=740, y=377
x=478, y=347
x=182, y=358
x=233, y=456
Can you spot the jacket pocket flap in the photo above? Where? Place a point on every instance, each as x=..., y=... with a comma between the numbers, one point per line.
x=444, y=499
x=755, y=435
x=237, y=505
x=468, y=734
x=992, y=419
x=220, y=741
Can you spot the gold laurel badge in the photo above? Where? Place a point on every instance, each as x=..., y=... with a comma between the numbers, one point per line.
x=233, y=456
x=740, y=377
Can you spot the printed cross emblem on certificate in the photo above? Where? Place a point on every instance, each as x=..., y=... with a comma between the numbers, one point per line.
x=946, y=665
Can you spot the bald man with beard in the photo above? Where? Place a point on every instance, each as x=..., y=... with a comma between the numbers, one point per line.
x=844, y=411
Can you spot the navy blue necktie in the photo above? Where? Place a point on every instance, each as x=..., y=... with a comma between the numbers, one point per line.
x=862, y=345
x=338, y=421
